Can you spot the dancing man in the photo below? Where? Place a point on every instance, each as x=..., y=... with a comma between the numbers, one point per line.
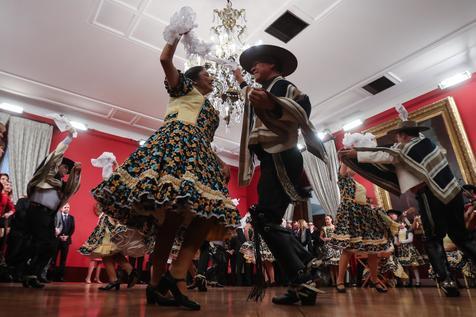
x=47, y=193
x=270, y=131
x=418, y=165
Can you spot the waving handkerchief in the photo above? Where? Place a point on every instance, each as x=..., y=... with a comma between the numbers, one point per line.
x=105, y=161
x=63, y=123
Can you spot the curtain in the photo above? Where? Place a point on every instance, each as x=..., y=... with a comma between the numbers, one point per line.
x=4, y=118
x=323, y=178
x=28, y=144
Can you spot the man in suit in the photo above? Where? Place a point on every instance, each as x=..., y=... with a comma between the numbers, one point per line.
x=64, y=238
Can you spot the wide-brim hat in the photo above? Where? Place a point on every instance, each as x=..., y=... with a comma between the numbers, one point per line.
x=394, y=211
x=68, y=162
x=469, y=187
x=287, y=62
x=408, y=126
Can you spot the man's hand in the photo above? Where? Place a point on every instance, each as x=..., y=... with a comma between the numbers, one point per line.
x=238, y=76
x=226, y=172
x=260, y=99
x=77, y=166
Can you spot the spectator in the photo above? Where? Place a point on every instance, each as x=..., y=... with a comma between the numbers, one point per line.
x=64, y=239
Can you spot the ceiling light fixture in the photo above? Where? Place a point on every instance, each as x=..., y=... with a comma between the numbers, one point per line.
x=79, y=125
x=454, y=80
x=11, y=108
x=353, y=124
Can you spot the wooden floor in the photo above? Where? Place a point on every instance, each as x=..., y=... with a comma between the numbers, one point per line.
x=77, y=299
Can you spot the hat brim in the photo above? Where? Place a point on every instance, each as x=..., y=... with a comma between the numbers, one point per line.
x=415, y=129
x=287, y=61
x=469, y=187
x=68, y=162
x=394, y=211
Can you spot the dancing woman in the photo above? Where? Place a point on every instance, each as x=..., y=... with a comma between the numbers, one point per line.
x=175, y=179
x=359, y=227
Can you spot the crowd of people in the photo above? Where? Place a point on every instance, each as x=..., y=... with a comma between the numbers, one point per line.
x=169, y=201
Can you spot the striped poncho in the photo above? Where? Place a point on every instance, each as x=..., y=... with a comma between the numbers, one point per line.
x=421, y=157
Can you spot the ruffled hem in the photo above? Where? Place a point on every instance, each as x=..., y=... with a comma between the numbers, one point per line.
x=346, y=242
x=152, y=194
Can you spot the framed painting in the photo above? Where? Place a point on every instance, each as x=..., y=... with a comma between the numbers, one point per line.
x=446, y=130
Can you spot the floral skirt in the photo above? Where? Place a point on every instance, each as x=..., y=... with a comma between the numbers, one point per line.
x=457, y=262
x=408, y=255
x=248, y=251
x=175, y=169
x=331, y=254
x=360, y=228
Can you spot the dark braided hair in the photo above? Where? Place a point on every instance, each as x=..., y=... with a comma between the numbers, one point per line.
x=193, y=73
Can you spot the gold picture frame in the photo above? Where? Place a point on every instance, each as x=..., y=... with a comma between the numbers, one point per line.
x=445, y=116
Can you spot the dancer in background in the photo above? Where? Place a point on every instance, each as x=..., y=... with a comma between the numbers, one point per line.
x=415, y=163
x=47, y=193
x=408, y=255
x=331, y=255
x=359, y=227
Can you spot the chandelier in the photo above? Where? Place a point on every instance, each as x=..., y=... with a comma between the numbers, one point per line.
x=228, y=32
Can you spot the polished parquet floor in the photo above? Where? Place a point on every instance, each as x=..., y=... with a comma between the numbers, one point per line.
x=77, y=299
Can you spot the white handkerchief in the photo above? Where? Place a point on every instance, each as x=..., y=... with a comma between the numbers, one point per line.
x=105, y=161
x=62, y=123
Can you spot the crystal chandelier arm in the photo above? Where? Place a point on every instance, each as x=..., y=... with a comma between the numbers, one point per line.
x=167, y=61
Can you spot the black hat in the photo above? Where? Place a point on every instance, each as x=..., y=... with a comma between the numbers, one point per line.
x=394, y=211
x=285, y=61
x=469, y=187
x=70, y=163
x=407, y=126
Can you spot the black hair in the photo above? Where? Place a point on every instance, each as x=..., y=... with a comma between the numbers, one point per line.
x=412, y=133
x=271, y=60
x=2, y=143
x=193, y=73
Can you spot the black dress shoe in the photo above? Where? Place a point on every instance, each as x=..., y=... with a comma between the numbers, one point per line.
x=114, y=285
x=132, y=278
x=291, y=297
x=340, y=287
x=169, y=283
x=43, y=280
x=450, y=288
x=154, y=296
x=378, y=286
x=32, y=282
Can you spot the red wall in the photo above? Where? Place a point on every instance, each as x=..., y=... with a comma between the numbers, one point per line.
x=464, y=96
x=86, y=146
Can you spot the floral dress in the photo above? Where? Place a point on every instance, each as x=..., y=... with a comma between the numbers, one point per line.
x=99, y=243
x=175, y=170
x=408, y=254
x=358, y=227
x=331, y=254
x=248, y=250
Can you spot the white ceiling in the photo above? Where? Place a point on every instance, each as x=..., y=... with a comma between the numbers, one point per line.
x=98, y=60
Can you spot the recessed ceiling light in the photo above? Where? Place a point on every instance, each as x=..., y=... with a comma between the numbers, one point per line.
x=353, y=124
x=454, y=80
x=79, y=125
x=11, y=108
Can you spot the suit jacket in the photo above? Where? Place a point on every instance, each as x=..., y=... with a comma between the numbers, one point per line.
x=67, y=228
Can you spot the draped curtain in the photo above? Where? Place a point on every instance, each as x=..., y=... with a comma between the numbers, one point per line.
x=323, y=178
x=28, y=144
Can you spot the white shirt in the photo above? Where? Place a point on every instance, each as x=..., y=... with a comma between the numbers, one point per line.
x=406, y=180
